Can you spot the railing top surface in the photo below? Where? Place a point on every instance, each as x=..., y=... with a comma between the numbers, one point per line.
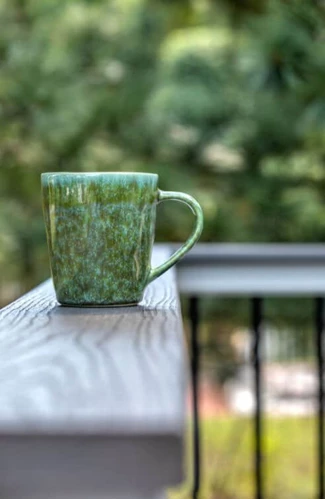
x=253, y=270
x=113, y=370
x=214, y=252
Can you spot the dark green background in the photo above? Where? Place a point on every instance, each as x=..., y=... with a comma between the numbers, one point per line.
x=223, y=99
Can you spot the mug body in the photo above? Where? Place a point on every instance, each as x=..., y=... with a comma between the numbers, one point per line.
x=100, y=230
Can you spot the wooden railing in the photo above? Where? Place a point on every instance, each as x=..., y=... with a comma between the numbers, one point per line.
x=93, y=400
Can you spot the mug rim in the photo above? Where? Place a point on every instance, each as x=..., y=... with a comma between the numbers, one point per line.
x=99, y=173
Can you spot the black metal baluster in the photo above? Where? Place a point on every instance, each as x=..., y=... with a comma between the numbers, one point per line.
x=194, y=320
x=257, y=304
x=319, y=323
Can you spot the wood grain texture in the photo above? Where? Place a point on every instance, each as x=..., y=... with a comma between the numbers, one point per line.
x=92, y=400
x=114, y=371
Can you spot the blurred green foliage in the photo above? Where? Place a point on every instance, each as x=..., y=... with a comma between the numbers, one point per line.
x=222, y=99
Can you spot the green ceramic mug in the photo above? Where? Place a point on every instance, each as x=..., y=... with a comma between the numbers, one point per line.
x=100, y=231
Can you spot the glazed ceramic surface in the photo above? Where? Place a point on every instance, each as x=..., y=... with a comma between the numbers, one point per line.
x=100, y=231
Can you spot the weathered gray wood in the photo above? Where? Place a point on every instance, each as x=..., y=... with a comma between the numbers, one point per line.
x=253, y=270
x=100, y=377
x=81, y=466
x=159, y=496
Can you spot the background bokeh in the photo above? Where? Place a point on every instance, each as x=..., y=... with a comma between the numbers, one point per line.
x=223, y=99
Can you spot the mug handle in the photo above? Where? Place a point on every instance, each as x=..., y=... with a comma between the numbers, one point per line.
x=193, y=238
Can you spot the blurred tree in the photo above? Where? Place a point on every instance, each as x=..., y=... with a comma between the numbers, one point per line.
x=224, y=99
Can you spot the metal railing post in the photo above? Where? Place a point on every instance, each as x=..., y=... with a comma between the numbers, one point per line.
x=257, y=304
x=319, y=323
x=194, y=322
